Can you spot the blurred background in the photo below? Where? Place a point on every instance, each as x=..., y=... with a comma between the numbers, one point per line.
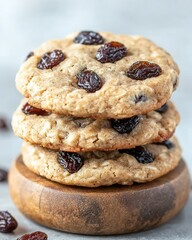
x=24, y=24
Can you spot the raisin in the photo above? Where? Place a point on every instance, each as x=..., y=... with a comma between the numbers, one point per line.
x=7, y=222
x=51, y=59
x=140, y=98
x=30, y=110
x=125, y=125
x=142, y=70
x=175, y=83
x=140, y=153
x=166, y=143
x=72, y=162
x=3, y=175
x=89, y=81
x=34, y=236
x=29, y=55
x=3, y=124
x=111, y=52
x=89, y=38
x=162, y=109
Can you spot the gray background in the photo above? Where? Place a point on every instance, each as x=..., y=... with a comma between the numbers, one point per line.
x=24, y=24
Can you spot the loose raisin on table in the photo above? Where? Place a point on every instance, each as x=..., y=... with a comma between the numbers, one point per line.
x=29, y=110
x=70, y=161
x=34, y=236
x=7, y=222
x=166, y=143
x=125, y=125
x=3, y=124
x=51, y=59
x=29, y=55
x=89, y=81
x=162, y=109
x=142, y=70
x=140, y=153
x=89, y=38
x=111, y=52
x=3, y=175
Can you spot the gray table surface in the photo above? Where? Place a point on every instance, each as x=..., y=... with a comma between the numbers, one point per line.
x=24, y=24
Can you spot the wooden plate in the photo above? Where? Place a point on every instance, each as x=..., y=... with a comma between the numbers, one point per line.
x=103, y=210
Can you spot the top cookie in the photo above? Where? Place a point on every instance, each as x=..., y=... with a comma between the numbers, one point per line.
x=99, y=75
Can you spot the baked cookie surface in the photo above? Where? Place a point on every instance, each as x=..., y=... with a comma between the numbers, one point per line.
x=104, y=79
x=106, y=168
x=85, y=134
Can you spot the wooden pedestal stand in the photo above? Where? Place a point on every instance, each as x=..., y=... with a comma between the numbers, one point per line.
x=103, y=210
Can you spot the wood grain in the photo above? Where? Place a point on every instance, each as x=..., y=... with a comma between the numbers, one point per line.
x=103, y=210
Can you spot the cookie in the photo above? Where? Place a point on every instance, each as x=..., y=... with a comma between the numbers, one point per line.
x=100, y=75
x=85, y=134
x=94, y=169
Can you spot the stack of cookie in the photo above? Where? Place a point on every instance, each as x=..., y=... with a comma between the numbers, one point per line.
x=96, y=110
